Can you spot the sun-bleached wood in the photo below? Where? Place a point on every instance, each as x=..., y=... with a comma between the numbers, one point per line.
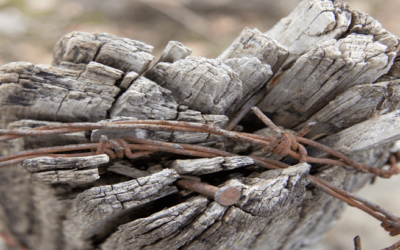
x=42, y=92
x=373, y=133
x=310, y=23
x=96, y=209
x=210, y=165
x=251, y=43
x=278, y=209
x=46, y=140
x=171, y=136
x=322, y=73
x=255, y=57
x=184, y=226
x=253, y=74
x=144, y=99
x=206, y=85
x=174, y=51
x=128, y=79
x=314, y=22
x=65, y=170
x=79, y=48
x=355, y=105
x=71, y=177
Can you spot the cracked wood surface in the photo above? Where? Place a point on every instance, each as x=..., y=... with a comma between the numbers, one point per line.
x=206, y=85
x=95, y=210
x=210, y=165
x=76, y=49
x=355, y=105
x=336, y=53
x=324, y=72
x=144, y=99
x=42, y=92
x=171, y=136
x=373, y=133
x=250, y=222
x=65, y=170
x=253, y=43
x=47, y=140
x=314, y=22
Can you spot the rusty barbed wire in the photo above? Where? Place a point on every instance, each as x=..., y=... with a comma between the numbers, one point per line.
x=395, y=246
x=283, y=144
x=10, y=238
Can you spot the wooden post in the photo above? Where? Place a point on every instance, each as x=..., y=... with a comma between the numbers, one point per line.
x=324, y=63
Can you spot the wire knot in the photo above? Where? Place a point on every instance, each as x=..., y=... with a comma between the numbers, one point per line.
x=281, y=144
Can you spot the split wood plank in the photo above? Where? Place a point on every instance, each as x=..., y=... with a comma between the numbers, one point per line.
x=206, y=85
x=322, y=73
x=76, y=49
x=355, y=105
x=314, y=22
x=171, y=136
x=65, y=170
x=209, y=165
x=254, y=217
x=96, y=209
x=48, y=93
x=373, y=133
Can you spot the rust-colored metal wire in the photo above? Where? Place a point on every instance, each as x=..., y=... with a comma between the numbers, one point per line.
x=10, y=238
x=283, y=144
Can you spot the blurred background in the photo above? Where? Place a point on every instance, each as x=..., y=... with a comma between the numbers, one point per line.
x=30, y=28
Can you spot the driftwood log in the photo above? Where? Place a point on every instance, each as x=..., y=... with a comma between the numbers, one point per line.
x=324, y=63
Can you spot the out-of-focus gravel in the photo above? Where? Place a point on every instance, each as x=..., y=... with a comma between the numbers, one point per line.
x=30, y=28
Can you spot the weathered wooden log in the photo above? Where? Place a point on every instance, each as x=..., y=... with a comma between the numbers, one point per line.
x=206, y=85
x=324, y=63
x=210, y=165
x=67, y=95
x=64, y=170
x=324, y=72
x=79, y=48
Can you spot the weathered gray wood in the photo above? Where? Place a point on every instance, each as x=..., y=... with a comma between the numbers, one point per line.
x=355, y=105
x=320, y=211
x=324, y=72
x=95, y=209
x=220, y=227
x=172, y=136
x=79, y=48
x=174, y=51
x=45, y=163
x=373, y=133
x=142, y=232
x=395, y=69
x=128, y=79
x=71, y=177
x=314, y=22
x=144, y=99
x=278, y=209
x=47, y=140
x=56, y=94
x=310, y=23
x=65, y=170
x=254, y=57
x=206, y=85
x=210, y=165
x=127, y=169
x=253, y=43
x=253, y=74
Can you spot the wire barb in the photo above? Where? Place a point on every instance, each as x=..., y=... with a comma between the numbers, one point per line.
x=282, y=144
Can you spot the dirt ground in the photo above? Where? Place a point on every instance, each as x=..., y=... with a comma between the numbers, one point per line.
x=30, y=28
